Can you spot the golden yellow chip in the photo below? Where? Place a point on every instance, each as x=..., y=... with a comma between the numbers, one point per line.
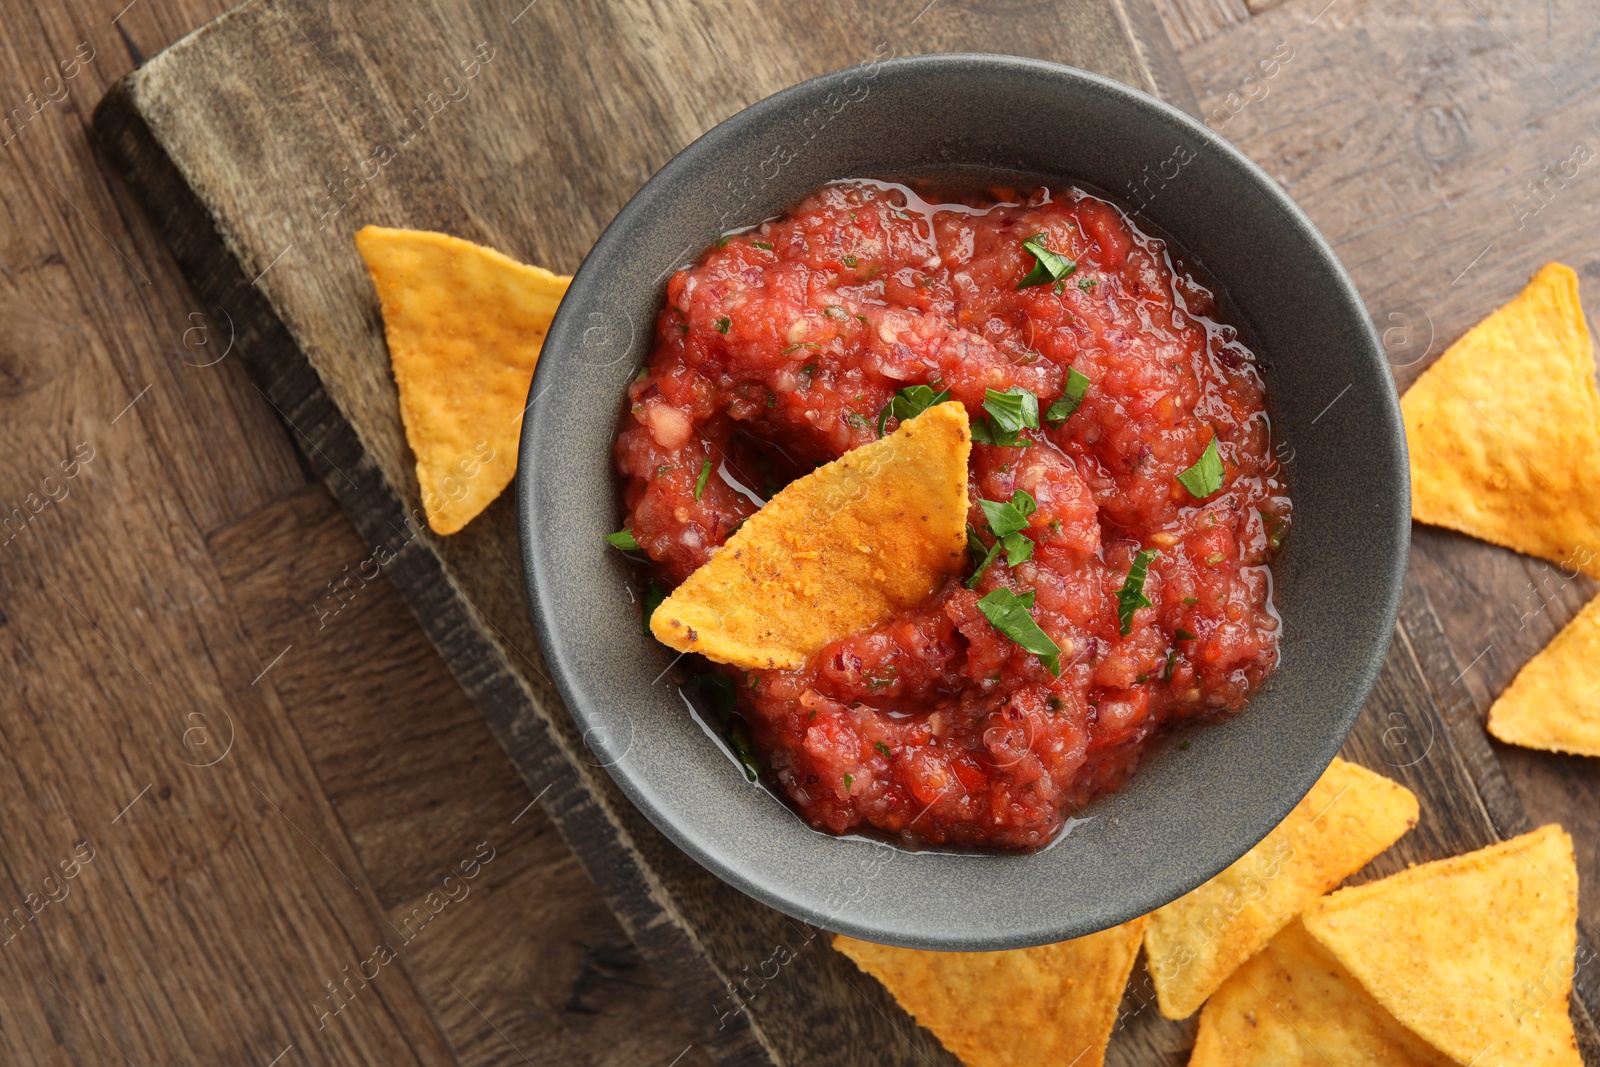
x=1474, y=953
x=1504, y=430
x=1055, y=1004
x=465, y=325
x=834, y=552
x=1293, y=1005
x=1195, y=942
x=1555, y=701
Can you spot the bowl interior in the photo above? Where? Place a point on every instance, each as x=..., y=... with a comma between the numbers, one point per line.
x=1189, y=811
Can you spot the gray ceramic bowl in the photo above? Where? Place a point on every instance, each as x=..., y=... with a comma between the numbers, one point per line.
x=1189, y=812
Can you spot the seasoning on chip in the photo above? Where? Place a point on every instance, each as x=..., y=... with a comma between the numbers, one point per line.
x=1293, y=1005
x=1504, y=429
x=1553, y=703
x=1473, y=953
x=465, y=325
x=1196, y=941
x=1055, y=1004
x=835, y=551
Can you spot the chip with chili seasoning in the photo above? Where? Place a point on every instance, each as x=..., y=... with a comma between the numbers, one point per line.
x=465, y=325
x=1055, y=1004
x=1474, y=953
x=1196, y=941
x=835, y=551
x=1294, y=1005
x=1551, y=704
x=1504, y=429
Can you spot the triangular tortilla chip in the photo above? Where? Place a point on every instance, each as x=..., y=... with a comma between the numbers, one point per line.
x=1504, y=429
x=1293, y=1005
x=834, y=552
x=1195, y=942
x=1055, y=1004
x=1555, y=701
x=1474, y=953
x=465, y=325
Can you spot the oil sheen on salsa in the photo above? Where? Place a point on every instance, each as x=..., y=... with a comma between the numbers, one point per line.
x=779, y=349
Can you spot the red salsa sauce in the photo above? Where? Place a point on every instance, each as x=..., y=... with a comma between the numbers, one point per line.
x=779, y=350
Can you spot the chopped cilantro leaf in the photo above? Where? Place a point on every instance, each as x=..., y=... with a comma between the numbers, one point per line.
x=908, y=403
x=806, y=374
x=1130, y=598
x=653, y=596
x=767, y=245
x=1009, y=613
x=705, y=474
x=849, y=780
x=881, y=747
x=1085, y=284
x=1181, y=634
x=723, y=324
x=849, y=261
x=1047, y=266
x=1064, y=408
x=1008, y=520
x=1009, y=412
x=722, y=242
x=1191, y=600
x=1172, y=660
x=719, y=690
x=1205, y=477
x=984, y=555
x=622, y=539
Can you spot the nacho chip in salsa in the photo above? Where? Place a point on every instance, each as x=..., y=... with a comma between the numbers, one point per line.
x=835, y=551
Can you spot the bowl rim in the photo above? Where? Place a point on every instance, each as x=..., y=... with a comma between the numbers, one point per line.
x=753, y=117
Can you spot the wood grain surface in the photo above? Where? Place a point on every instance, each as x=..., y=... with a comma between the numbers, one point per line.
x=171, y=600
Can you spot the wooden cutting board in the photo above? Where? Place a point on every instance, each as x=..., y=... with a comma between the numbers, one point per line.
x=262, y=141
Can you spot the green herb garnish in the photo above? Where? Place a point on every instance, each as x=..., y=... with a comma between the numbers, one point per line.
x=1009, y=412
x=723, y=323
x=1047, y=266
x=1007, y=520
x=622, y=539
x=1180, y=634
x=850, y=261
x=653, y=596
x=806, y=374
x=1191, y=600
x=1085, y=284
x=766, y=245
x=1130, y=598
x=705, y=474
x=1205, y=477
x=983, y=554
x=1009, y=613
x=722, y=242
x=849, y=780
x=1063, y=408
x=881, y=747
x=1172, y=659
x=719, y=690
x=908, y=403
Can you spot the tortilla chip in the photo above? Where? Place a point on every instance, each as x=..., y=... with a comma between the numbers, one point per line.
x=1554, y=703
x=834, y=552
x=1195, y=942
x=1055, y=1004
x=1504, y=429
x=1293, y=1005
x=1474, y=953
x=465, y=325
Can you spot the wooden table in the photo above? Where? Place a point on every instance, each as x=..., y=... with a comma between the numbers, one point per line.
x=268, y=789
